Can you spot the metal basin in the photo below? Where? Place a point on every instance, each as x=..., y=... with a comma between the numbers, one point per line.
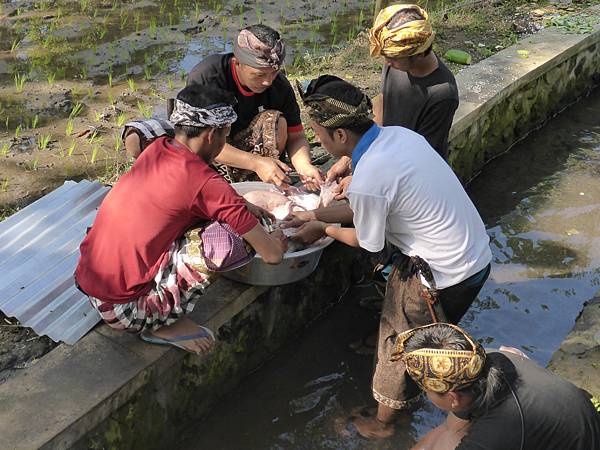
x=295, y=265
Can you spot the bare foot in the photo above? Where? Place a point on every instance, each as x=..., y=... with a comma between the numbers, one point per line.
x=184, y=327
x=371, y=428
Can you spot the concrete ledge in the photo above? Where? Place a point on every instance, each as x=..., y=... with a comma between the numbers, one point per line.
x=578, y=358
x=506, y=96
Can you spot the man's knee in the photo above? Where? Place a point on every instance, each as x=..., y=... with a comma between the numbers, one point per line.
x=282, y=135
x=133, y=145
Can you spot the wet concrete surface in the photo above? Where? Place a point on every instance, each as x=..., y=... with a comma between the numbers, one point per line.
x=541, y=206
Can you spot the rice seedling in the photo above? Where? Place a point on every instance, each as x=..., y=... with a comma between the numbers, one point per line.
x=121, y=119
x=15, y=45
x=69, y=128
x=118, y=143
x=145, y=110
x=94, y=154
x=147, y=73
x=152, y=30
x=77, y=109
x=20, y=80
x=98, y=116
x=123, y=21
x=93, y=137
x=170, y=83
x=131, y=84
x=34, y=121
x=111, y=99
x=44, y=141
x=4, y=185
x=34, y=164
x=51, y=77
x=6, y=122
x=259, y=14
x=136, y=20
x=71, y=149
x=110, y=80
x=4, y=149
x=18, y=131
x=182, y=73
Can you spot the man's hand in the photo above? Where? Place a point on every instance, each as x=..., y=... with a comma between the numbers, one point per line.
x=310, y=176
x=271, y=170
x=297, y=219
x=281, y=239
x=310, y=232
x=258, y=212
x=341, y=192
x=340, y=169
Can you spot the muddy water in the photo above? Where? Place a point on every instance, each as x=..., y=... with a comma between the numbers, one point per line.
x=541, y=205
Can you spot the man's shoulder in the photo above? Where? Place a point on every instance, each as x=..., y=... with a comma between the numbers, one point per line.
x=213, y=67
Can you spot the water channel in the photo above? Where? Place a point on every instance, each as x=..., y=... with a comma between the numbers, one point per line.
x=541, y=206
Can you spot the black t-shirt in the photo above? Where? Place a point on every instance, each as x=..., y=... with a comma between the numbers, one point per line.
x=217, y=70
x=557, y=415
x=425, y=105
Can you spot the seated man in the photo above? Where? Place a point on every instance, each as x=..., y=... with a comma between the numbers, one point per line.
x=268, y=114
x=140, y=265
x=404, y=193
x=496, y=400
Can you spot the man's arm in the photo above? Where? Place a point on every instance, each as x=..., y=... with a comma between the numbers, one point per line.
x=378, y=109
x=270, y=170
x=299, y=151
x=436, y=125
x=446, y=436
x=270, y=247
x=330, y=214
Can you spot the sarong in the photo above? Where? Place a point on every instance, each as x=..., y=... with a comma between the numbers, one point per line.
x=404, y=308
x=259, y=138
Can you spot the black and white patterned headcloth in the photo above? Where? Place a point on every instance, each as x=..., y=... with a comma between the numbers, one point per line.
x=215, y=116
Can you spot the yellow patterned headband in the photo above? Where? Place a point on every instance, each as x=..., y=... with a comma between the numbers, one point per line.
x=408, y=39
x=441, y=370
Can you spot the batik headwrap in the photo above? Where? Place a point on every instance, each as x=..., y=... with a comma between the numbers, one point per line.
x=409, y=39
x=441, y=370
x=251, y=51
x=330, y=112
x=215, y=116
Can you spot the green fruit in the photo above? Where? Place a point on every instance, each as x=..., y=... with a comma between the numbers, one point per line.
x=458, y=56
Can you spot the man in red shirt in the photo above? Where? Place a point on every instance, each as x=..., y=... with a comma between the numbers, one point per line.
x=268, y=122
x=139, y=264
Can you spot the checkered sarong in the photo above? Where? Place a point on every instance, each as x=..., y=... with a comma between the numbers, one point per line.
x=176, y=290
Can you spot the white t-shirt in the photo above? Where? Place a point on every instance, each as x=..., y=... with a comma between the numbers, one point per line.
x=403, y=191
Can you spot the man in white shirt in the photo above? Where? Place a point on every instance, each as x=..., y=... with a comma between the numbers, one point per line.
x=404, y=193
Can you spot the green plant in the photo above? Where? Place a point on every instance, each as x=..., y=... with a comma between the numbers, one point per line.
x=110, y=80
x=596, y=403
x=77, y=108
x=69, y=129
x=170, y=83
x=34, y=121
x=131, y=84
x=93, y=137
x=121, y=119
x=94, y=154
x=43, y=141
x=18, y=131
x=51, y=77
x=4, y=185
x=98, y=116
x=145, y=110
x=147, y=73
x=5, y=148
x=71, y=149
x=20, y=80
x=15, y=45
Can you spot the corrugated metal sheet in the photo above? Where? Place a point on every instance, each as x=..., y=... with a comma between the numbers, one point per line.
x=39, y=249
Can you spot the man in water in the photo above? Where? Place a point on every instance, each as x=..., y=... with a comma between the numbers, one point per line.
x=268, y=121
x=402, y=192
x=499, y=400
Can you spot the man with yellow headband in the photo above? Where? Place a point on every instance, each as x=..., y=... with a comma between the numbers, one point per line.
x=418, y=91
x=499, y=400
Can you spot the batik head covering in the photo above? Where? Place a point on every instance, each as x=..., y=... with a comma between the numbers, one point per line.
x=441, y=370
x=328, y=111
x=251, y=51
x=220, y=115
x=408, y=39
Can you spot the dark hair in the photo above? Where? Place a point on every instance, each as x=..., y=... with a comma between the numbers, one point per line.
x=359, y=128
x=265, y=34
x=200, y=96
x=441, y=336
x=405, y=16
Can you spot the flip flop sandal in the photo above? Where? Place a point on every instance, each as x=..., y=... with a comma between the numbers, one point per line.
x=204, y=332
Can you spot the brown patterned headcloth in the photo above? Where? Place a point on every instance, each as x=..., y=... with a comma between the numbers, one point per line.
x=441, y=370
x=251, y=51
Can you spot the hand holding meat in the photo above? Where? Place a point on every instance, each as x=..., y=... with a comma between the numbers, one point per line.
x=310, y=176
x=297, y=218
x=341, y=192
x=271, y=170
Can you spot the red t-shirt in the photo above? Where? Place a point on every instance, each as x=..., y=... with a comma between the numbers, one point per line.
x=167, y=191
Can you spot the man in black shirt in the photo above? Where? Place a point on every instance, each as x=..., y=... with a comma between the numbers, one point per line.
x=268, y=114
x=418, y=91
x=496, y=401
